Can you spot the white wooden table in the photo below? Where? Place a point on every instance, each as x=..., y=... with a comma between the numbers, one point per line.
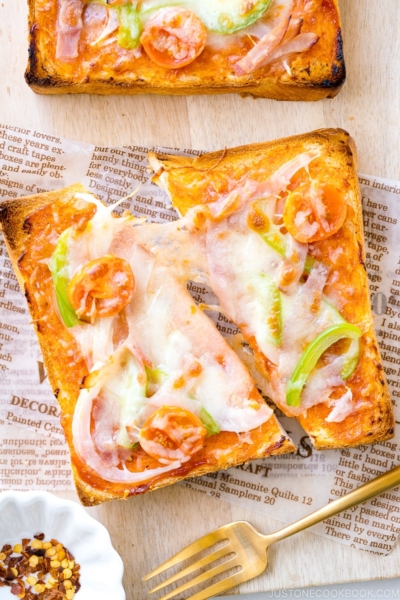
x=148, y=529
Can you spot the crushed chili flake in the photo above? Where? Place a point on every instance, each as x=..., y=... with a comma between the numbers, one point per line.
x=39, y=570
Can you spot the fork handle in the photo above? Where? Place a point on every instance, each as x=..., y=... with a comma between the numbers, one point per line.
x=373, y=488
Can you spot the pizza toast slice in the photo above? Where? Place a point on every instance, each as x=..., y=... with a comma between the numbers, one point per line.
x=281, y=49
x=150, y=392
x=283, y=237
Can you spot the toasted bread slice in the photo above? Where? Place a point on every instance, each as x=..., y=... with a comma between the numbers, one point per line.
x=302, y=61
x=215, y=189
x=31, y=228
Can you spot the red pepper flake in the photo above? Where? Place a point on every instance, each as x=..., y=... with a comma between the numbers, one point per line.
x=17, y=589
x=39, y=570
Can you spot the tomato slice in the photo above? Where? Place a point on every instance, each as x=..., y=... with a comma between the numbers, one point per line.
x=314, y=211
x=102, y=288
x=174, y=37
x=172, y=434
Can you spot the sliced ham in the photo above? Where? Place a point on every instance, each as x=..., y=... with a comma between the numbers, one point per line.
x=293, y=30
x=70, y=26
x=86, y=448
x=99, y=23
x=283, y=39
x=300, y=43
x=102, y=403
x=268, y=43
x=236, y=199
x=281, y=179
x=251, y=190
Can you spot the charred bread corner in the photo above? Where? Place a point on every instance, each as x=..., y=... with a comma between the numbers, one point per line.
x=283, y=233
x=281, y=49
x=149, y=390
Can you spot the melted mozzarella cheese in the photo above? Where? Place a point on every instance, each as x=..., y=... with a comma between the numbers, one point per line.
x=222, y=16
x=97, y=238
x=236, y=260
x=239, y=262
x=201, y=370
x=166, y=332
x=169, y=333
x=128, y=388
x=343, y=407
x=96, y=342
x=105, y=464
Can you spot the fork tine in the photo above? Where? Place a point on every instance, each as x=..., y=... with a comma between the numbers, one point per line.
x=221, y=586
x=227, y=549
x=203, y=577
x=201, y=544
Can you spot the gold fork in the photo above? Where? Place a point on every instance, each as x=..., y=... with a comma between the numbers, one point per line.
x=250, y=548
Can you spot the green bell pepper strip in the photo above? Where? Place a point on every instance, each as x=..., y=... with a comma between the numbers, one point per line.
x=352, y=358
x=209, y=423
x=312, y=354
x=59, y=271
x=309, y=264
x=129, y=27
x=157, y=376
x=272, y=296
x=268, y=294
x=352, y=355
x=277, y=243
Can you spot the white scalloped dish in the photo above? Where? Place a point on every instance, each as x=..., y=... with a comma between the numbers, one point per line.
x=25, y=514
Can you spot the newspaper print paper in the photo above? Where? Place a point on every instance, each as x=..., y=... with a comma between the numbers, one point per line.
x=33, y=453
